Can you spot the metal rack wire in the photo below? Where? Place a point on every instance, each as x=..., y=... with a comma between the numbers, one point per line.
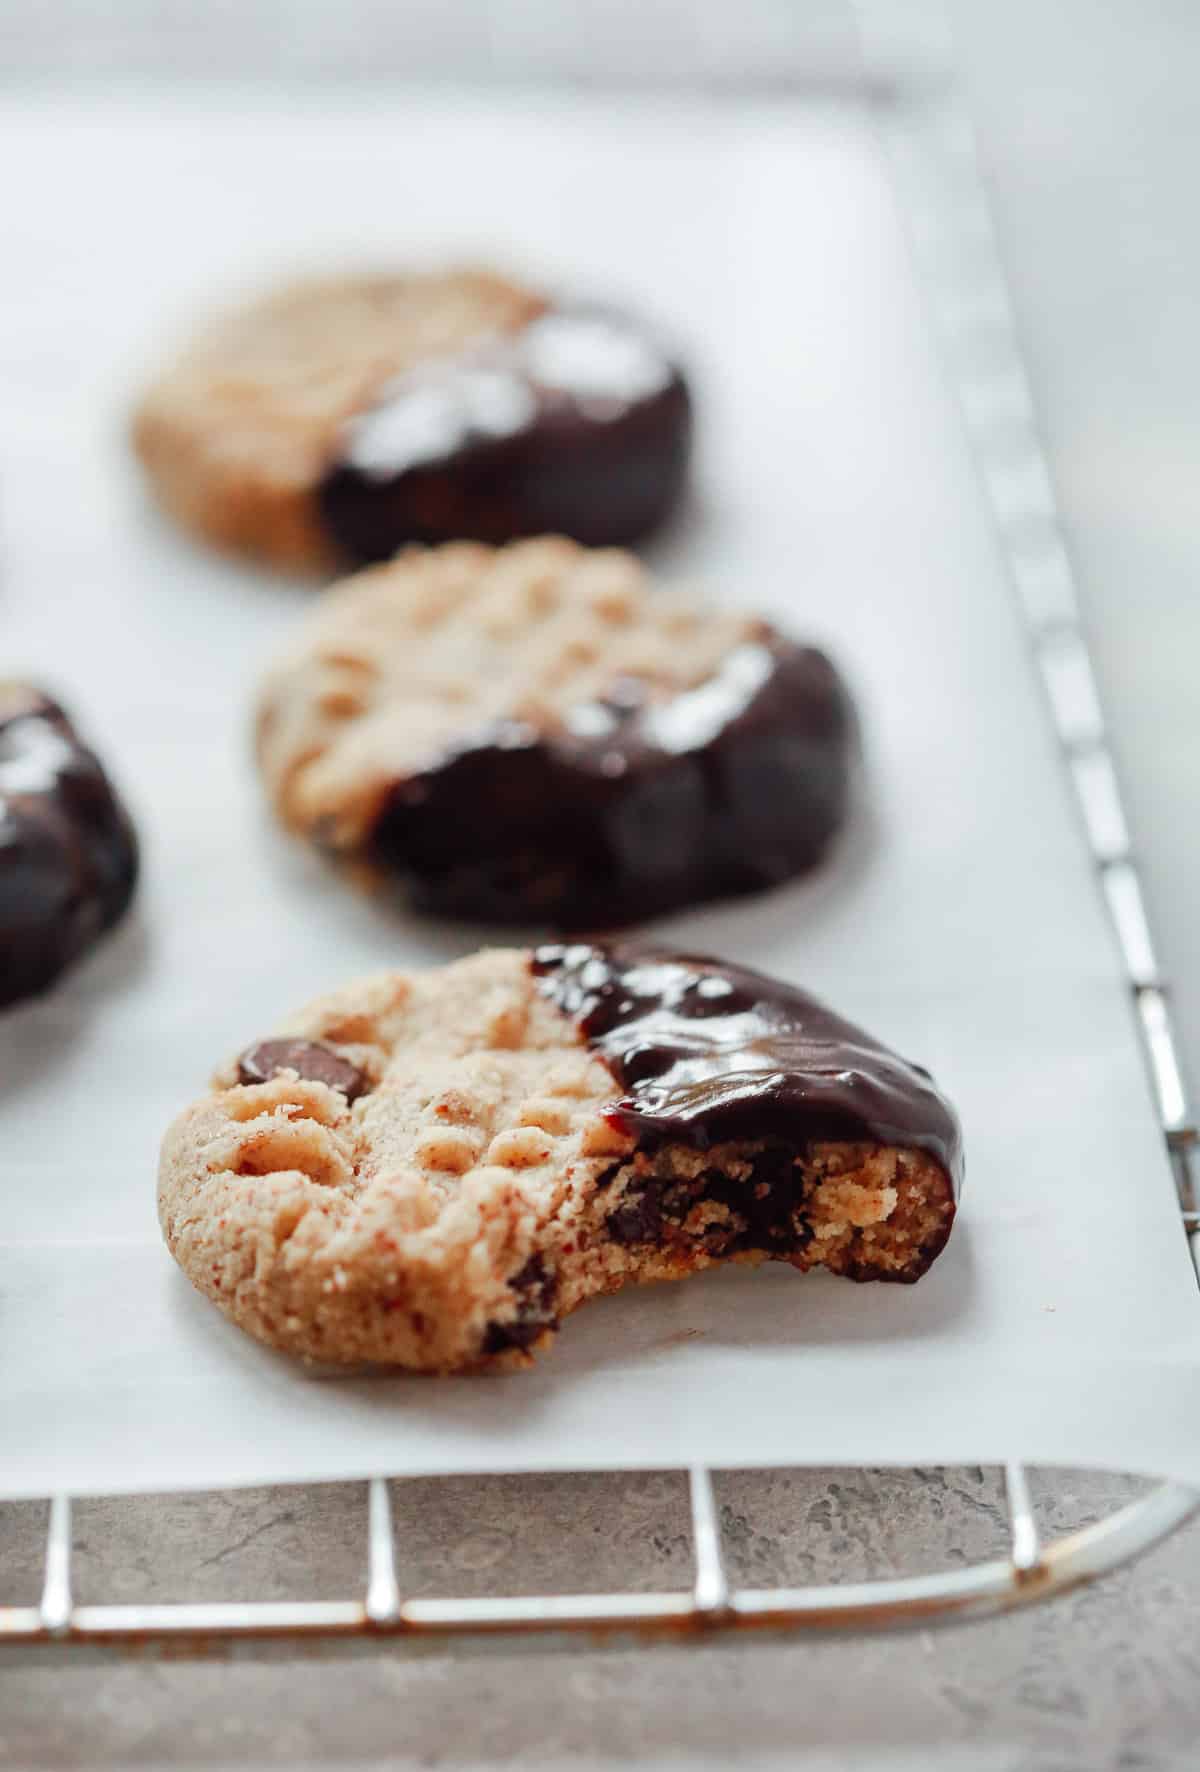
x=955, y=247
x=931, y=145
x=1030, y=1571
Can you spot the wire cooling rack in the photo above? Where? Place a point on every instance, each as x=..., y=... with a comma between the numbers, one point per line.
x=929, y=140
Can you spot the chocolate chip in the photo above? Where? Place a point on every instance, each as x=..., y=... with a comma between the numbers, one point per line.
x=765, y=1208
x=534, y=1289
x=310, y=1059
x=522, y=1332
x=638, y=1219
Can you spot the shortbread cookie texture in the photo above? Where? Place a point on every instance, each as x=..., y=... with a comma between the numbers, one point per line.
x=68, y=853
x=535, y=735
x=338, y=420
x=431, y=1171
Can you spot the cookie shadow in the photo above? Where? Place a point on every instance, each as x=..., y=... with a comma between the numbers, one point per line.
x=377, y=918
x=748, y=1328
x=674, y=545
x=36, y=1032
x=236, y=578
x=662, y=1328
x=774, y=1308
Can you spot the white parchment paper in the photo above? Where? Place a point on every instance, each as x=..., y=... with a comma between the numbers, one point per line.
x=959, y=920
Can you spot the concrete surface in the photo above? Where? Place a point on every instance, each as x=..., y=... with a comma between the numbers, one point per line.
x=1094, y=1680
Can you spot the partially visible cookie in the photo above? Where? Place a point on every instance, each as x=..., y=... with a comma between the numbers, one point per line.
x=341, y=419
x=533, y=734
x=68, y=853
x=431, y=1171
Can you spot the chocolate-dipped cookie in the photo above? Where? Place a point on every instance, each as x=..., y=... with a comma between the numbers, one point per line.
x=68, y=854
x=533, y=735
x=431, y=1171
x=339, y=420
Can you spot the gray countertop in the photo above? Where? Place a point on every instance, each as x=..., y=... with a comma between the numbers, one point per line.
x=1090, y=131
x=1103, y=1678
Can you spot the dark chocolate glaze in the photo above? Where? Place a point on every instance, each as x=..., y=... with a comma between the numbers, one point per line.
x=311, y=1059
x=637, y=803
x=68, y=853
x=707, y=1051
x=576, y=425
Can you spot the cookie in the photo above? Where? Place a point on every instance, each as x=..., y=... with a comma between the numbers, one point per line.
x=339, y=420
x=68, y=853
x=533, y=735
x=431, y=1171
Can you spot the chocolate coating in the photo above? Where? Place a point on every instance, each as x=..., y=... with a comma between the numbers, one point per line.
x=637, y=803
x=576, y=425
x=310, y=1059
x=68, y=853
x=706, y=1051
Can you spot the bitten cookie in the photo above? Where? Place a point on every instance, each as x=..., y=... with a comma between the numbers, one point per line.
x=431, y=1171
x=68, y=853
x=339, y=420
x=534, y=735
